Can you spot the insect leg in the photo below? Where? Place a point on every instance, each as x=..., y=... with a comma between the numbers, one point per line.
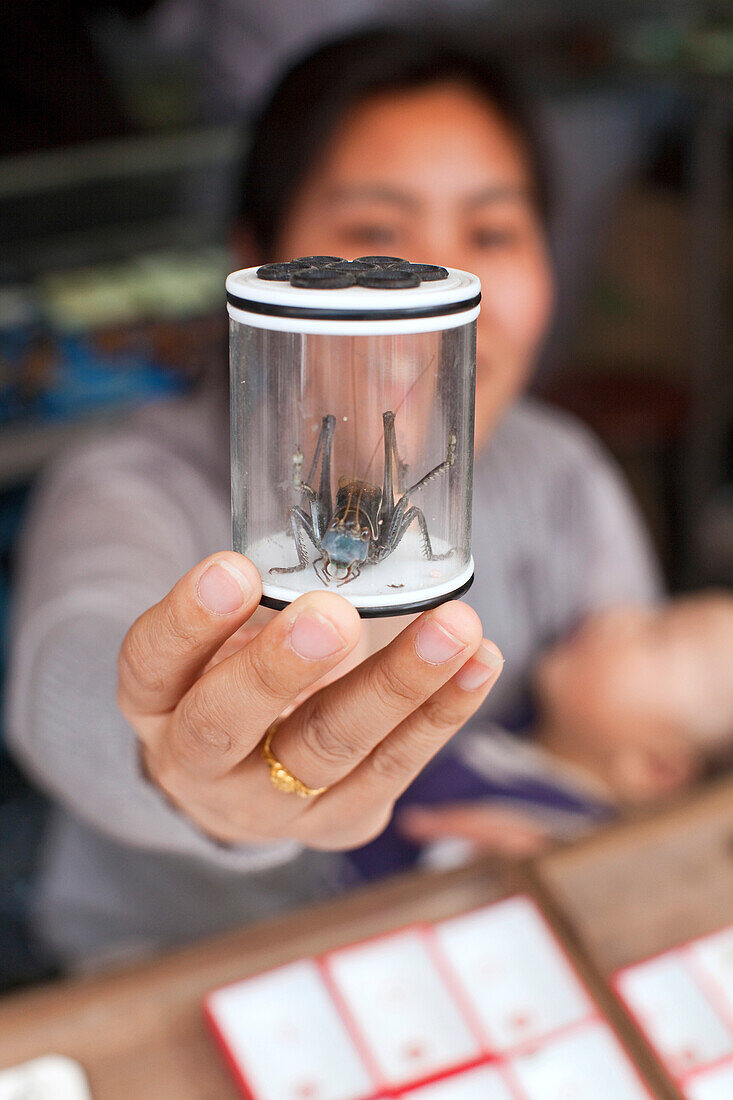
x=352, y=573
x=419, y=515
x=402, y=467
x=325, y=444
x=299, y=523
x=321, y=506
x=391, y=535
x=317, y=451
x=390, y=449
x=437, y=470
x=397, y=532
x=322, y=450
x=320, y=569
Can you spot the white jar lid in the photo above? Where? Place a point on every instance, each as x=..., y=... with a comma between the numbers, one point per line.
x=366, y=296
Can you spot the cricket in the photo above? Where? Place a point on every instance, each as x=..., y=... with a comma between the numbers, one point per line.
x=367, y=523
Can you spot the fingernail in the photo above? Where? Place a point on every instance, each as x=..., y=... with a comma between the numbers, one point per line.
x=315, y=638
x=485, y=665
x=222, y=588
x=435, y=644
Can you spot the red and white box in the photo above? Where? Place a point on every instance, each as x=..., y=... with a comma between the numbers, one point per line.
x=682, y=1001
x=583, y=1063
x=675, y=1015
x=401, y=1007
x=486, y=1082
x=711, y=1084
x=486, y=1005
x=711, y=959
x=284, y=1038
x=517, y=982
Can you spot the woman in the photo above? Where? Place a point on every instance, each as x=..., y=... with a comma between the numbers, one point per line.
x=170, y=827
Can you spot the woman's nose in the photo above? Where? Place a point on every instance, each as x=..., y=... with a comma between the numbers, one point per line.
x=437, y=240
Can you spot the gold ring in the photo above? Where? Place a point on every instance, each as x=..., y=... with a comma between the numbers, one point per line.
x=280, y=777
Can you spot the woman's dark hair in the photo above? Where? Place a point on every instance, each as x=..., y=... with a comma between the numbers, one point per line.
x=313, y=97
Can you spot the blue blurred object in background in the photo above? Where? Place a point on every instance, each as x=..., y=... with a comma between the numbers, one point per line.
x=84, y=380
x=22, y=809
x=80, y=348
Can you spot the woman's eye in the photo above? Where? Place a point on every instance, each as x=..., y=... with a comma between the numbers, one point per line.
x=369, y=234
x=494, y=238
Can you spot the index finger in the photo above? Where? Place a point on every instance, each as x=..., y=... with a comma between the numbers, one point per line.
x=166, y=649
x=226, y=712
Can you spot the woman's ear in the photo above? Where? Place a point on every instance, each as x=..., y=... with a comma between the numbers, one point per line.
x=243, y=245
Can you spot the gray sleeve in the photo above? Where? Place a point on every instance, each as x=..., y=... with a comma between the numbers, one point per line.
x=105, y=541
x=611, y=559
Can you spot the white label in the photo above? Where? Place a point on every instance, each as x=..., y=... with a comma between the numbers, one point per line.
x=587, y=1064
x=676, y=1015
x=402, y=1008
x=712, y=1084
x=484, y=1083
x=713, y=956
x=512, y=972
x=52, y=1077
x=284, y=1031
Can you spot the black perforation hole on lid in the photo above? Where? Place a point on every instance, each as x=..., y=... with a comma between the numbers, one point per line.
x=429, y=272
x=322, y=278
x=376, y=261
x=315, y=261
x=350, y=265
x=388, y=278
x=275, y=272
x=333, y=272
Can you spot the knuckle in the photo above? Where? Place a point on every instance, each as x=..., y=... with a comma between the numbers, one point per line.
x=394, y=759
x=259, y=675
x=135, y=671
x=321, y=742
x=439, y=716
x=390, y=682
x=180, y=633
x=199, y=732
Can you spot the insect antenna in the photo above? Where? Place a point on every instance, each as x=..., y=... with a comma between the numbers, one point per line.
x=397, y=408
x=355, y=418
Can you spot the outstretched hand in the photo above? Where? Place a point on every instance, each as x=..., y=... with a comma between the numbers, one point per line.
x=364, y=736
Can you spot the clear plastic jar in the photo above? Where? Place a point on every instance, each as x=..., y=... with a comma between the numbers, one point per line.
x=352, y=403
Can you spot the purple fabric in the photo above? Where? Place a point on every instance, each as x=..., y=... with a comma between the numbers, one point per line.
x=449, y=780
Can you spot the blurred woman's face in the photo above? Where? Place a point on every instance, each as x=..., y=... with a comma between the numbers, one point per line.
x=436, y=175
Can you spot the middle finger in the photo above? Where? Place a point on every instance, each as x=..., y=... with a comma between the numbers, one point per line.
x=334, y=730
